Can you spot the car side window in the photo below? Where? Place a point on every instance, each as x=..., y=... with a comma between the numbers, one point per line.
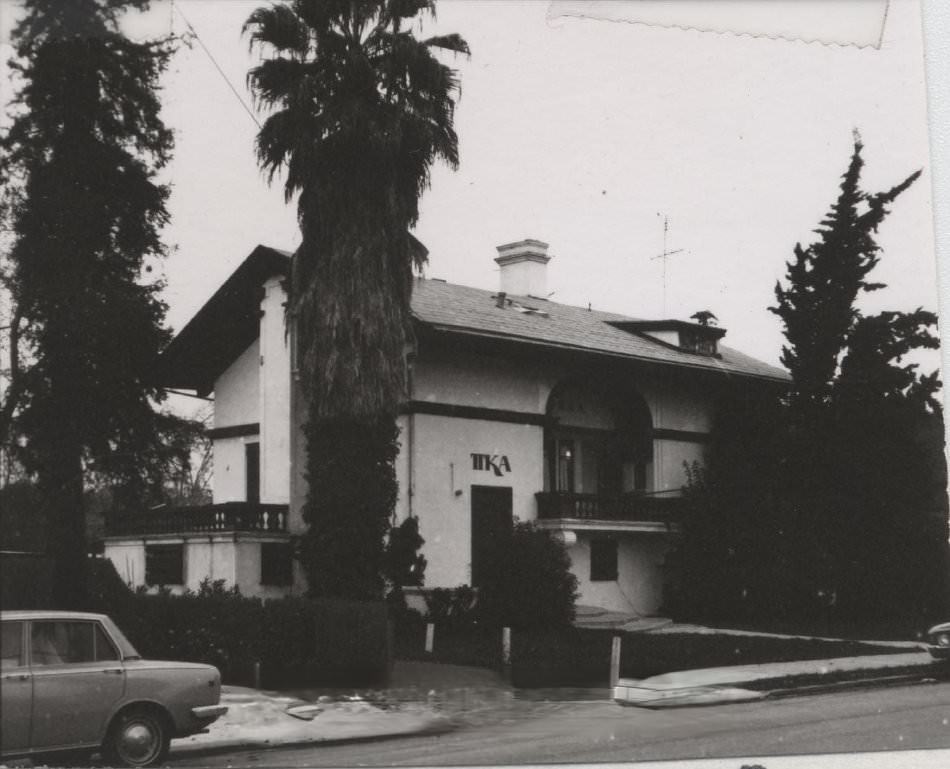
x=105, y=649
x=48, y=643
x=11, y=644
x=56, y=643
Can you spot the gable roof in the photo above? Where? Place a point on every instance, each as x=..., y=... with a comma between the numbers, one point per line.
x=224, y=327
x=228, y=323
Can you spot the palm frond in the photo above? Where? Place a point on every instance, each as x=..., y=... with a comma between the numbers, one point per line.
x=278, y=27
x=454, y=42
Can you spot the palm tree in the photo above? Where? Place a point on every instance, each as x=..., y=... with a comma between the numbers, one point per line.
x=359, y=110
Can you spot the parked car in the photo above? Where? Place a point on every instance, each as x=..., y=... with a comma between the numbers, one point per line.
x=73, y=684
x=938, y=641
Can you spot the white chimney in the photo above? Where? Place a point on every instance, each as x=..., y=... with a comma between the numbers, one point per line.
x=524, y=268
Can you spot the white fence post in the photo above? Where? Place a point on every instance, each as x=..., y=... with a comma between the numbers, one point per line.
x=615, y=661
x=430, y=637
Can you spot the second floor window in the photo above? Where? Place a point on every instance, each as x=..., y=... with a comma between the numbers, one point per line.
x=252, y=471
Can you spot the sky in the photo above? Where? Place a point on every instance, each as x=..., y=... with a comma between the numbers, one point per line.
x=586, y=134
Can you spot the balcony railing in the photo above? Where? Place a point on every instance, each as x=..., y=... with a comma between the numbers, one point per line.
x=227, y=516
x=595, y=507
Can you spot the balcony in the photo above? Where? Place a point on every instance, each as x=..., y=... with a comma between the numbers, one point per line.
x=630, y=508
x=224, y=517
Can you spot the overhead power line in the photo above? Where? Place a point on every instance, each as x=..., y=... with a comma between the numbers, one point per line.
x=217, y=66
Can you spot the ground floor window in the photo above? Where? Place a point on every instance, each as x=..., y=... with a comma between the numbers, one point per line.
x=603, y=560
x=277, y=564
x=164, y=565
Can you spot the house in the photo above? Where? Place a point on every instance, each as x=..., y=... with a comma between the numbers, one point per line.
x=518, y=408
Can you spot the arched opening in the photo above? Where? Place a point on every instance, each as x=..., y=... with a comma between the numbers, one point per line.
x=598, y=443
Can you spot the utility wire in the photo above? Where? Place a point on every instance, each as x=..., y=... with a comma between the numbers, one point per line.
x=217, y=66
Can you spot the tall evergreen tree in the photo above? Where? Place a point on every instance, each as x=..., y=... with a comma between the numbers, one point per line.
x=828, y=504
x=864, y=461
x=817, y=304
x=361, y=109
x=84, y=148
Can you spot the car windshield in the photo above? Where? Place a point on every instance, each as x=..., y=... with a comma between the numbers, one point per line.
x=125, y=645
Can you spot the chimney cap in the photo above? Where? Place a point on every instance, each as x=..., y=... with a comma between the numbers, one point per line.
x=523, y=250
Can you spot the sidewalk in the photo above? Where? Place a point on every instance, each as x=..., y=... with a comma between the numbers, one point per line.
x=422, y=698
x=745, y=683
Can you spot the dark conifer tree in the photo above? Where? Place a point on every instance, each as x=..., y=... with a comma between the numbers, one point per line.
x=84, y=147
x=830, y=505
x=864, y=470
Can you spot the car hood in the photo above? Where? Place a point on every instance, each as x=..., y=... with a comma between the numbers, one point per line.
x=943, y=627
x=168, y=665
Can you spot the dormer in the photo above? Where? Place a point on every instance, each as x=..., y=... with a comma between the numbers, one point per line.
x=698, y=338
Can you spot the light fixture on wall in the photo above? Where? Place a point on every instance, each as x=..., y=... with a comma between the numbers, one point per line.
x=455, y=491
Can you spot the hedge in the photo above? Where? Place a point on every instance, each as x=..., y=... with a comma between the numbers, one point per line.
x=578, y=657
x=27, y=581
x=297, y=641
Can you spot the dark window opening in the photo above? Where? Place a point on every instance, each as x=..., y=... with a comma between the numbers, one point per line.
x=564, y=479
x=640, y=476
x=164, y=565
x=603, y=560
x=252, y=468
x=277, y=564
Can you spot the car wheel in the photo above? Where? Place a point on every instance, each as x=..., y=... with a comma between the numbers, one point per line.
x=138, y=737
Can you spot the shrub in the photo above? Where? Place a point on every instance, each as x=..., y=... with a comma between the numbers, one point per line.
x=403, y=563
x=563, y=657
x=27, y=581
x=451, y=608
x=298, y=641
x=529, y=585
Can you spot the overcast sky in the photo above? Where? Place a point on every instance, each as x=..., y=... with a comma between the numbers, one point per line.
x=583, y=134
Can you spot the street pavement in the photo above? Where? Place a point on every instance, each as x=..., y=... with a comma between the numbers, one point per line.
x=895, y=718
x=427, y=699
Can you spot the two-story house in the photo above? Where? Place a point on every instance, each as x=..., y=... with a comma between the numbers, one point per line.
x=518, y=407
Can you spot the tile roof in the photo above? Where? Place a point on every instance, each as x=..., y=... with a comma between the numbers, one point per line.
x=461, y=309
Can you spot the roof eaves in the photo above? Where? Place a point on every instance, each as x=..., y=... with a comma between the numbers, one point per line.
x=722, y=368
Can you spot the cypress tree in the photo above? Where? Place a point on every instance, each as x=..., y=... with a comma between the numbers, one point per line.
x=864, y=471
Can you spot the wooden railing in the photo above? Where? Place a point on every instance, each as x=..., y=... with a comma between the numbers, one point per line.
x=595, y=507
x=227, y=516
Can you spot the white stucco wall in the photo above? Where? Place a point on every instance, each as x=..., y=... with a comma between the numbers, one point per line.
x=639, y=584
x=480, y=380
x=230, y=469
x=444, y=476
x=128, y=559
x=236, y=402
x=237, y=390
x=234, y=558
x=274, y=397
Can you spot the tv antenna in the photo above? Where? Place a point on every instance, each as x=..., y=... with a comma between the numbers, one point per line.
x=665, y=255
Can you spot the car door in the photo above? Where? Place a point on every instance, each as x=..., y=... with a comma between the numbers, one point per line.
x=78, y=679
x=16, y=688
